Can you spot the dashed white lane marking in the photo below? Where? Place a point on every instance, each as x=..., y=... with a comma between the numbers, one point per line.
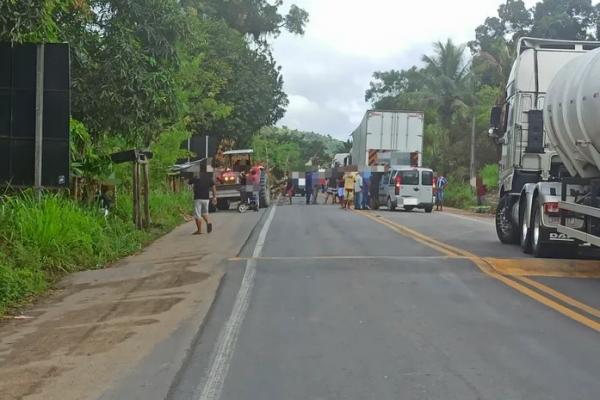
x=223, y=351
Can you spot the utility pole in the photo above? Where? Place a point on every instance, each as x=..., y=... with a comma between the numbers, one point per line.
x=472, y=171
x=267, y=154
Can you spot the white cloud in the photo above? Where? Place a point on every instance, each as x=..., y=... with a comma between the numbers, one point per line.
x=327, y=71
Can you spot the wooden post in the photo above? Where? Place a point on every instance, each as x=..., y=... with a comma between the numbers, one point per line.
x=146, y=184
x=136, y=194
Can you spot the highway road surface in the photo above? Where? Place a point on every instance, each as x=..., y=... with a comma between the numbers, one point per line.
x=324, y=303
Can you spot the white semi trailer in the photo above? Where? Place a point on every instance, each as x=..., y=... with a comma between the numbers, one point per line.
x=549, y=129
x=381, y=134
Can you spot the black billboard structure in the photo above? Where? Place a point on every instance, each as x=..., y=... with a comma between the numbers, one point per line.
x=200, y=147
x=34, y=114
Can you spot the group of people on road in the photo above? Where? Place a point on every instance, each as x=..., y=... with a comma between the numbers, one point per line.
x=348, y=190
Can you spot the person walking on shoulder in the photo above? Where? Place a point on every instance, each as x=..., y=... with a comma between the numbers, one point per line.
x=439, y=194
x=203, y=185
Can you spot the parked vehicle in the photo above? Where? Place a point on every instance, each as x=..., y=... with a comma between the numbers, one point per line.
x=406, y=187
x=388, y=137
x=549, y=130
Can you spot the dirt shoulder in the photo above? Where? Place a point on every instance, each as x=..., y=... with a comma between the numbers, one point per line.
x=95, y=330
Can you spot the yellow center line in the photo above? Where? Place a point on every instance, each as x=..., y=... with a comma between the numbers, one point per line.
x=562, y=297
x=487, y=268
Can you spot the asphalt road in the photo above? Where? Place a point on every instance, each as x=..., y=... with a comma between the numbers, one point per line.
x=341, y=305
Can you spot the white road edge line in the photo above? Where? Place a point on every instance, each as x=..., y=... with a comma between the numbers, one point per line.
x=474, y=219
x=223, y=351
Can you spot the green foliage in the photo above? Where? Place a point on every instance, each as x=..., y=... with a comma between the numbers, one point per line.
x=42, y=240
x=459, y=194
x=489, y=174
x=88, y=158
x=258, y=18
x=290, y=150
x=281, y=156
x=32, y=20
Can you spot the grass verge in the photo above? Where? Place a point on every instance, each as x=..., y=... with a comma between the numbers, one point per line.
x=41, y=241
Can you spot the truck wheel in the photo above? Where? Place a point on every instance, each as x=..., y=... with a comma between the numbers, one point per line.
x=538, y=248
x=211, y=207
x=390, y=204
x=428, y=209
x=264, y=194
x=505, y=229
x=525, y=236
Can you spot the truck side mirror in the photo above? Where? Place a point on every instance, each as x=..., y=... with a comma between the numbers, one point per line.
x=495, y=117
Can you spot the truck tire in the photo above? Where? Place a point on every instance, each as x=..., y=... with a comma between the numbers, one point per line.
x=428, y=209
x=524, y=233
x=505, y=229
x=390, y=204
x=264, y=194
x=538, y=248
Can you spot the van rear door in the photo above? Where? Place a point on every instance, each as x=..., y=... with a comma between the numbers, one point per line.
x=426, y=186
x=409, y=185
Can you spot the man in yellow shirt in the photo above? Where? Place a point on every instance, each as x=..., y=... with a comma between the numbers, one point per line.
x=348, y=189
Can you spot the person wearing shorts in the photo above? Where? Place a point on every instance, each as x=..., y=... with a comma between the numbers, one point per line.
x=348, y=189
x=202, y=185
x=340, y=192
x=331, y=189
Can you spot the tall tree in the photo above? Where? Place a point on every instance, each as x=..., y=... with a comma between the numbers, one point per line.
x=447, y=77
x=258, y=18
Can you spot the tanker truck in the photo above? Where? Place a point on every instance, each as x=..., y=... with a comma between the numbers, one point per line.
x=549, y=132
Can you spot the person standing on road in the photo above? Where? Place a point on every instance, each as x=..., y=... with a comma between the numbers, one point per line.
x=358, y=191
x=316, y=187
x=340, y=192
x=331, y=189
x=308, y=186
x=203, y=185
x=253, y=178
x=481, y=190
x=289, y=188
x=348, y=189
x=441, y=184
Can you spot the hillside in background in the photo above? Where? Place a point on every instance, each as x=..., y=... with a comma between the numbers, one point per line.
x=290, y=149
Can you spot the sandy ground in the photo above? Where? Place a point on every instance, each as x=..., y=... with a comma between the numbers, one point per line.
x=92, y=332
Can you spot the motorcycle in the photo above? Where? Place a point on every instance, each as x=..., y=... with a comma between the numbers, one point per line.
x=249, y=200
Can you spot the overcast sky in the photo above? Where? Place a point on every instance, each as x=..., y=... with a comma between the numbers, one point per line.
x=327, y=70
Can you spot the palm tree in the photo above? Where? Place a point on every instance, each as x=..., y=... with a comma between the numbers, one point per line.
x=447, y=75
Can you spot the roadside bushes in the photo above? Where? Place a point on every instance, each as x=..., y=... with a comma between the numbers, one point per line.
x=40, y=241
x=459, y=194
x=489, y=174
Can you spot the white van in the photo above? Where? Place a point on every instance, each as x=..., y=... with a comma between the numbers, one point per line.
x=407, y=187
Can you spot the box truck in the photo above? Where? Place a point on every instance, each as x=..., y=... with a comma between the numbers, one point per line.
x=388, y=137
